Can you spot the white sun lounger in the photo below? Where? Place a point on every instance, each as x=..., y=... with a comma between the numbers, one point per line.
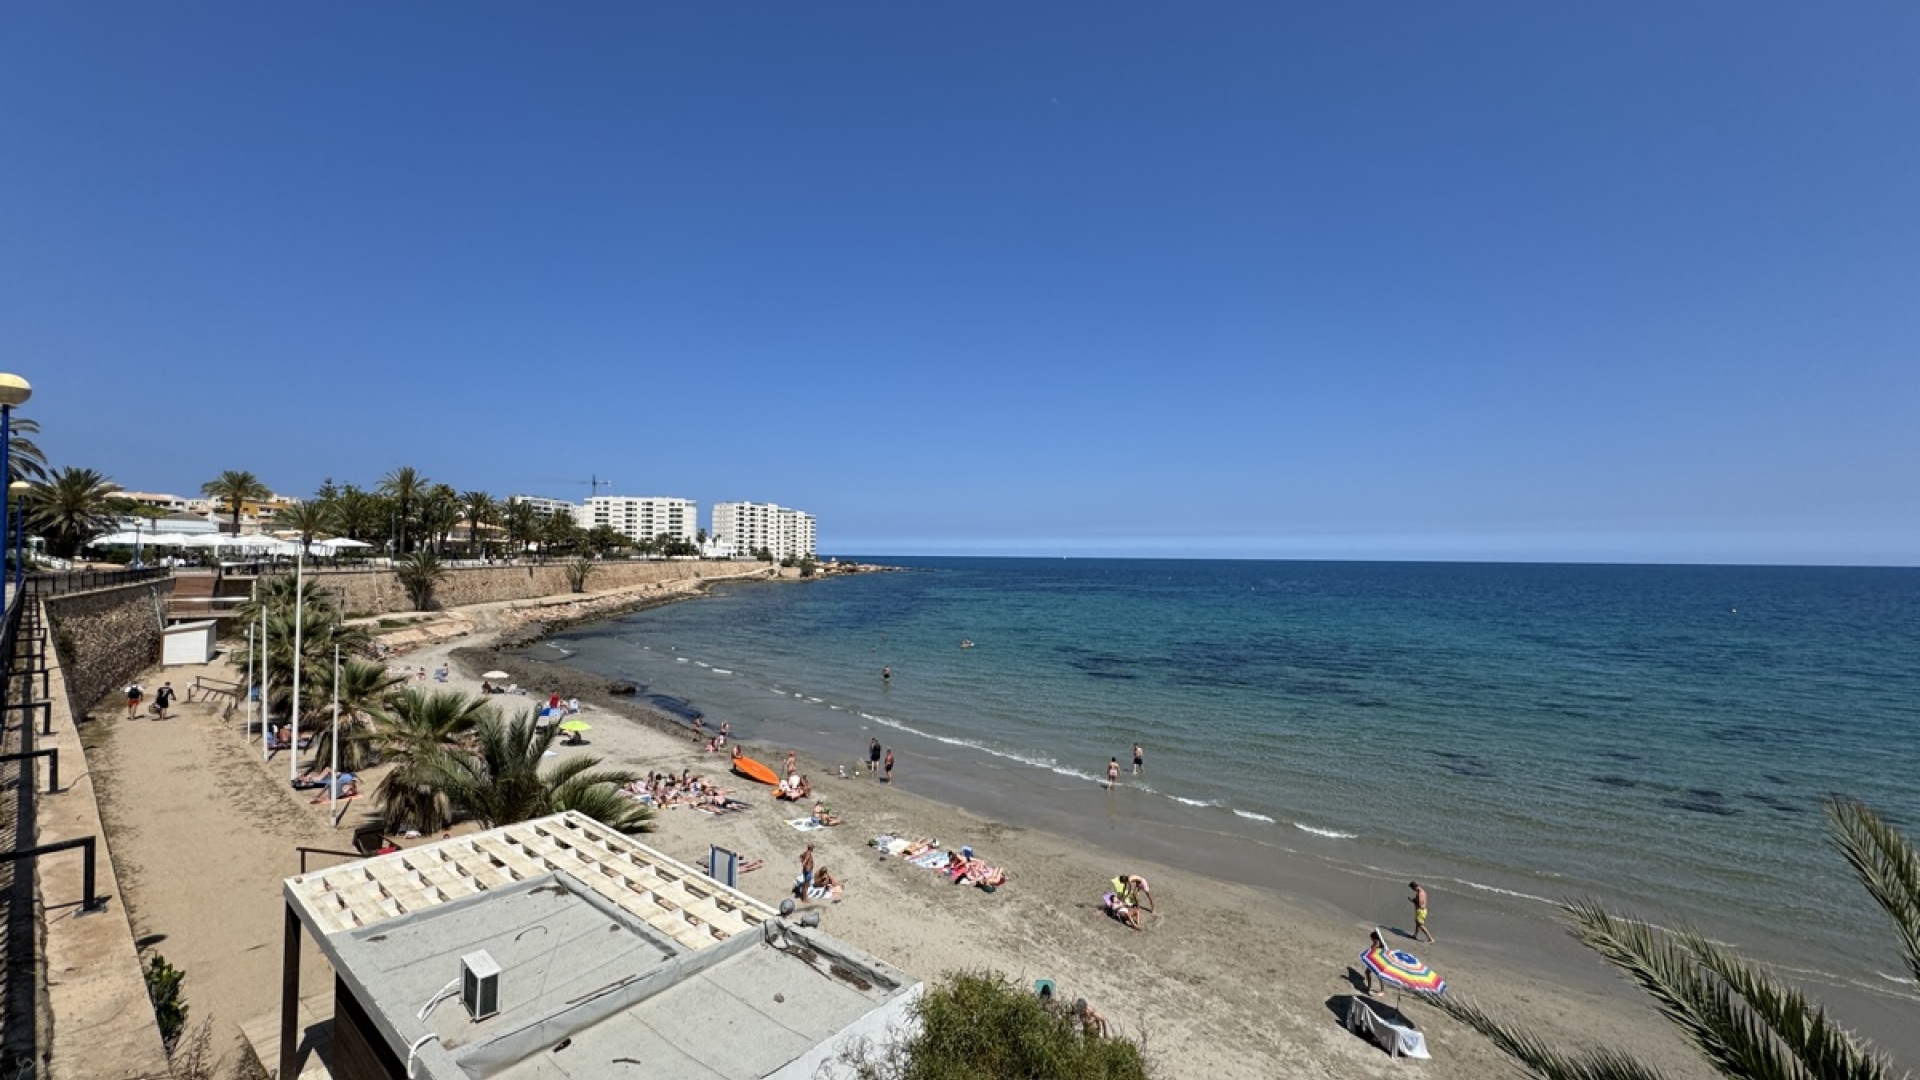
x=1397, y=1040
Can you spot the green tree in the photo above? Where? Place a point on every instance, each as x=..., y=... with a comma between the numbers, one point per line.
x=578, y=571
x=420, y=573
x=558, y=533
x=406, y=487
x=523, y=524
x=440, y=511
x=497, y=781
x=27, y=461
x=235, y=488
x=309, y=519
x=361, y=515
x=604, y=538
x=409, y=734
x=364, y=687
x=1743, y=1020
x=980, y=1026
x=71, y=508
x=480, y=511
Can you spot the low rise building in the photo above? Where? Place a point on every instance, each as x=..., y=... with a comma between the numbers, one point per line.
x=561, y=948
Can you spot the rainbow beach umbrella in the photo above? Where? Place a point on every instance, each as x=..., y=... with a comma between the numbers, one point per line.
x=1403, y=969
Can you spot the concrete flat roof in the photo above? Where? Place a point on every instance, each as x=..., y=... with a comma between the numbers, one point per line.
x=600, y=973
x=673, y=898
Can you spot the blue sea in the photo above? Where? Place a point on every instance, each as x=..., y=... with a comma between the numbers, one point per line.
x=1659, y=737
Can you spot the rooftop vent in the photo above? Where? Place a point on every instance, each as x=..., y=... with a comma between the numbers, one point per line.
x=480, y=984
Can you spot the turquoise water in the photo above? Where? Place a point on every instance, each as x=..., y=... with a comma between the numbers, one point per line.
x=1657, y=736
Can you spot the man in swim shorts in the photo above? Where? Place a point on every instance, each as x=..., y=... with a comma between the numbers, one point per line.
x=873, y=755
x=1139, y=758
x=1419, y=899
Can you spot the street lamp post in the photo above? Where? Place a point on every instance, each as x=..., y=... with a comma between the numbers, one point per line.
x=17, y=492
x=14, y=390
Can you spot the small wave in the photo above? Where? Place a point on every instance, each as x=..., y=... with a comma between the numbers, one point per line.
x=703, y=663
x=817, y=701
x=680, y=660
x=721, y=671
x=1331, y=834
x=1505, y=892
x=1184, y=801
x=1251, y=816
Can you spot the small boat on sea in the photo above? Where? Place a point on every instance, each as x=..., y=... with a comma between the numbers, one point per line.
x=753, y=770
x=966, y=643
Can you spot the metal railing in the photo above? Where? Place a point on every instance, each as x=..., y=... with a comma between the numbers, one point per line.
x=86, y=580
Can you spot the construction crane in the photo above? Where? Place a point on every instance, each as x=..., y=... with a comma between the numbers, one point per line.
x=594, y=483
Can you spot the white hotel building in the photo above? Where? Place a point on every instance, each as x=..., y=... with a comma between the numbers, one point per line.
x=546, y=508
x=745, y=527
x=642, y=518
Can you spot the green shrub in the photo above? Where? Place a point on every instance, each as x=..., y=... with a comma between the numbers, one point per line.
x=169, y=1008
x=980, y=1026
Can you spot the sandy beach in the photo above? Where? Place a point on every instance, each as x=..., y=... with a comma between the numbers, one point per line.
x=1226, y=980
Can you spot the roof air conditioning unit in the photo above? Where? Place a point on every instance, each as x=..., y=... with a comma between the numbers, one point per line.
x=480, y=984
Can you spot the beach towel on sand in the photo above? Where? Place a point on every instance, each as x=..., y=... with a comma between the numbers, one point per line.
x=805, y=824
x=932, y=860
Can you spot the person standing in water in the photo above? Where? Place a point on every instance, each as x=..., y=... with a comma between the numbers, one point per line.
x=887, y=767
x=1419, y=899
x=886, y=674
x=873, y=756
x=1139, y=758
x=1113, y=772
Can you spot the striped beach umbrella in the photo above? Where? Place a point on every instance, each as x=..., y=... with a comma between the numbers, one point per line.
x=1402, y=968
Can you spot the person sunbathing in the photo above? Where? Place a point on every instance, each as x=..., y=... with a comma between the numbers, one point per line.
x=345, y=786
x=1091, y=1022
x=824, y=816
x=308, y=780
x=824, y=886
x=1120, y=910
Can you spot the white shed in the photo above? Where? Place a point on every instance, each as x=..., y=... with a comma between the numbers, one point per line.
x=188, y=643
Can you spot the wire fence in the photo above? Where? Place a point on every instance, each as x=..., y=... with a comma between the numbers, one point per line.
x=37, y=585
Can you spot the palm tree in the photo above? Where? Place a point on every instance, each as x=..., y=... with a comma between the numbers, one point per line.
x=556, y=533
x=320, y=630
x=439, y=512
x=405, y=487
x=359, y=514
x=480, y=511
x=1741, y=1019
x=523, y=524
x=72, y=507
x=235, y=488
x=415, y=727
x=281, y=592
x=309, y=519
x=498, y=781
x=419, y=573
x=28, y=462
x=364, y=688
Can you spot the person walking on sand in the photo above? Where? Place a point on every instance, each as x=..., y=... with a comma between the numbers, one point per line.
x=163, y=699
x=134, y=694
x=887, y=769
x=873, y=756
x=792, y=767
x=806, y=871
x=1139, y=759
x=1113, y=772
x=1419, y=899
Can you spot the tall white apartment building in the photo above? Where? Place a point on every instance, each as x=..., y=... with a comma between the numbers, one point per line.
x=546, y=508
x=643, y=518
x=746, y=527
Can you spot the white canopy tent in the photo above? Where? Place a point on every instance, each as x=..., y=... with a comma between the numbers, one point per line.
x=337, y=545
x=140, y=539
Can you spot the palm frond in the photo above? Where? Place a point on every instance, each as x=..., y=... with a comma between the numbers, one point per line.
x=1816, y=1043
x=1733, y=1037
x=1542, y=1060
x=1887, y=865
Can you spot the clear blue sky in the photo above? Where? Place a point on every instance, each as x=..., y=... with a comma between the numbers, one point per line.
x=1520, y=280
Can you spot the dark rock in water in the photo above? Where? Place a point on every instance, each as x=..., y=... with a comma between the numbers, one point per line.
x=622, y=689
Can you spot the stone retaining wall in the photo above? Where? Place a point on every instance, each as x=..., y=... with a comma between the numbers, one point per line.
x=107, y=637
x=379, y=592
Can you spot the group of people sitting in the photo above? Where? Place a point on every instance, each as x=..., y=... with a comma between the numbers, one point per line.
x=332, y=785
x=665, y=790
x=823, y=886
x=511, y=688
x=1082, y=1013
x=1127, y=898
x=794, y=788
